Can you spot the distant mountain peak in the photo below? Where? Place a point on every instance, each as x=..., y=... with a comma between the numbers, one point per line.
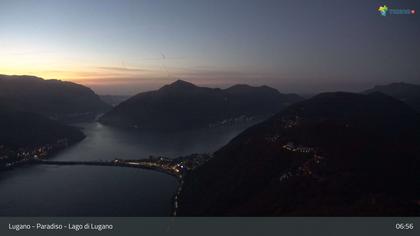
x=181, y=84
x=246, y=88
x=395, y=85
x=238, y=86
x=406, y=92
x=241, y=86
x=182, y=105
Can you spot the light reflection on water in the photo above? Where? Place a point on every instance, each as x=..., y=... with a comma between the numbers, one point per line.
x=105, y=191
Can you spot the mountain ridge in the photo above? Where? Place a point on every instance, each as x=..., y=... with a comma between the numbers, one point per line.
x=56, y=99
x=406, y=92
x=183, y=105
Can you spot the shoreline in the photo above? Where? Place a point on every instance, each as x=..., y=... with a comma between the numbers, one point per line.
x=177, y=167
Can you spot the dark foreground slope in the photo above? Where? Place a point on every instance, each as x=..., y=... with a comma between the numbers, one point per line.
x=23, y=129
x=334, y=154
x=32, y=134
x=408, y=93
x=60, y=100
x=182, y=105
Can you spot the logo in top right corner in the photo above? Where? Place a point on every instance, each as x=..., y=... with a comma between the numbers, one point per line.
x=385, y=11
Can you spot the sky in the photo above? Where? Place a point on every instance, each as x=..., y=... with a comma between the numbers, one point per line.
x=125, y=47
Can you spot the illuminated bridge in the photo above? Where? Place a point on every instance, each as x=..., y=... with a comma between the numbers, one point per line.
x=170, y=169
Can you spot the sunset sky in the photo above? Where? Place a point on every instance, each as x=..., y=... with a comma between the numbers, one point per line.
x=123, y=47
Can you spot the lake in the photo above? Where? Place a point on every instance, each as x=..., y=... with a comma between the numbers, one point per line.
x=43, y=190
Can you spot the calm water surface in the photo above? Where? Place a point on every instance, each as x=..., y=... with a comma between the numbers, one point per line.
x=105, y=191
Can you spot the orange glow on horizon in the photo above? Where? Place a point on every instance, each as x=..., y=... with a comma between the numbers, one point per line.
x=92, y=76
